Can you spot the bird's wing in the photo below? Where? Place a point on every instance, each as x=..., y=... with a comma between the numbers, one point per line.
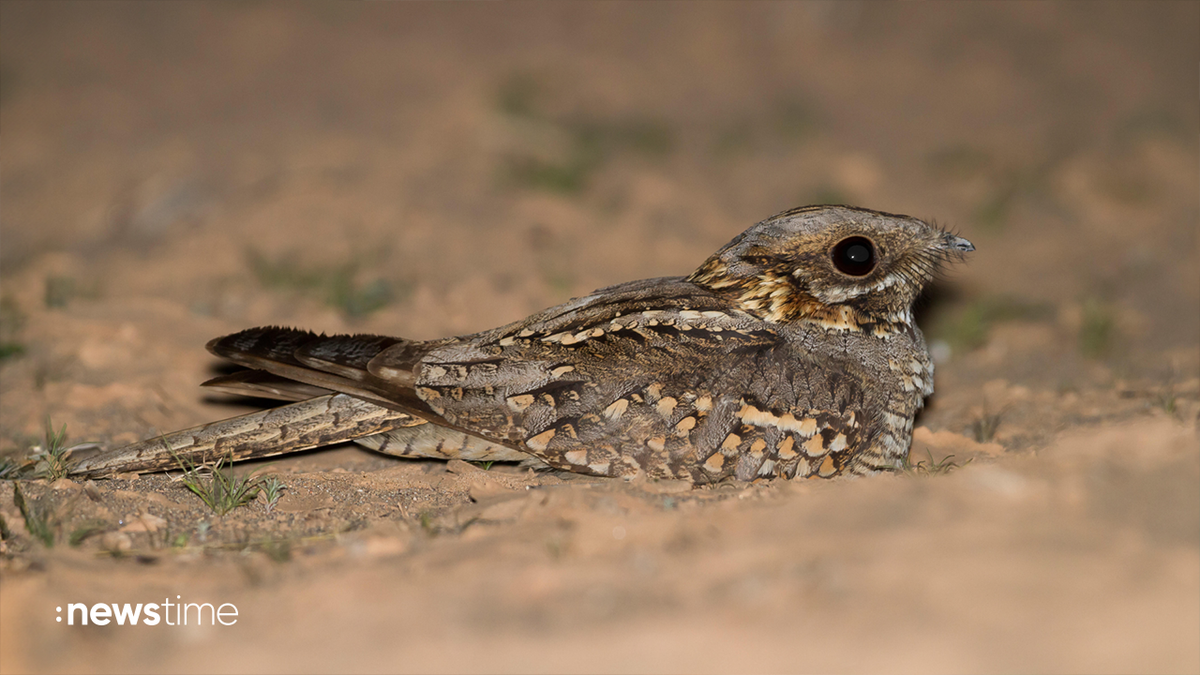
x=651, y=377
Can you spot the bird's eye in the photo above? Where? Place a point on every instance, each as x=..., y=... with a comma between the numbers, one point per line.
x=854, y=256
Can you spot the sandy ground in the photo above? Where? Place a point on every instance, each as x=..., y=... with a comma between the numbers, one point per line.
x=173, y=172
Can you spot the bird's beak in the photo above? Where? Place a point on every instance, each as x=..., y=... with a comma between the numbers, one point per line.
x=958, y=244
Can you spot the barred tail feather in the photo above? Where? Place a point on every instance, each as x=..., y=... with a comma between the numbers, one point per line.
x=290, y=428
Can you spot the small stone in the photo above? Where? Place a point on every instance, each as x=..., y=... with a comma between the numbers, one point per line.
x=145, y=522
x=92, y=491
x=117, y=542
x=484, y=487
x=459, y=466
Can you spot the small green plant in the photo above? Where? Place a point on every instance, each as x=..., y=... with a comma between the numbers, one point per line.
x=992, y=213
x=427, y=523
x=88, y=529
x=278, y=550
x=338, y=285
x=54, y=455
x=220, y=491
x=559, y=283
x=12, y=320
x=567, y=177
x=587, y=143
x=1166, y=400
x=9, y=467
x=1097, y=330
x=1012, y=186
x=272, y=489
x=59, y=291
x=41, y=519
x=971, y=326
x=1163, y=398
x=931, y=468
x=983, y=428
x=62, y=290
x=590, y=145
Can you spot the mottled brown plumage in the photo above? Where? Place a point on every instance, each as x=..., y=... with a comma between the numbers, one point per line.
x=790, y=352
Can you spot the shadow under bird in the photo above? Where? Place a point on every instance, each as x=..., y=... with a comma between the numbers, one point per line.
x=791, y=352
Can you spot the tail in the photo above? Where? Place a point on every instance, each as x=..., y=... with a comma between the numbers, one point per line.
x=314, y=422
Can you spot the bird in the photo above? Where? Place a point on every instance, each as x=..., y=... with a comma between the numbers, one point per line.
x=789, y=353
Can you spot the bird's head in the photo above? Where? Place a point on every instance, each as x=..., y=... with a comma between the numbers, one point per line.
x=840, y=267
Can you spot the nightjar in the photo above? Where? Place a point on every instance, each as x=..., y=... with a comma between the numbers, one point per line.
x=790, y=352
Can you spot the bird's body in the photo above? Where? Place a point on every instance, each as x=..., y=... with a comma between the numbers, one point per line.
x=790, y=352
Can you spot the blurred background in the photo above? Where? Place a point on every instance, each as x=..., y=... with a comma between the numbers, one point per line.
x=175, y=171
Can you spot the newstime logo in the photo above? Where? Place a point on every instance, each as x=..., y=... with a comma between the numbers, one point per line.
x=150, y=614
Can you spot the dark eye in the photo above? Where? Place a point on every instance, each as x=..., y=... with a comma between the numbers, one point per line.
x=854, y=256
